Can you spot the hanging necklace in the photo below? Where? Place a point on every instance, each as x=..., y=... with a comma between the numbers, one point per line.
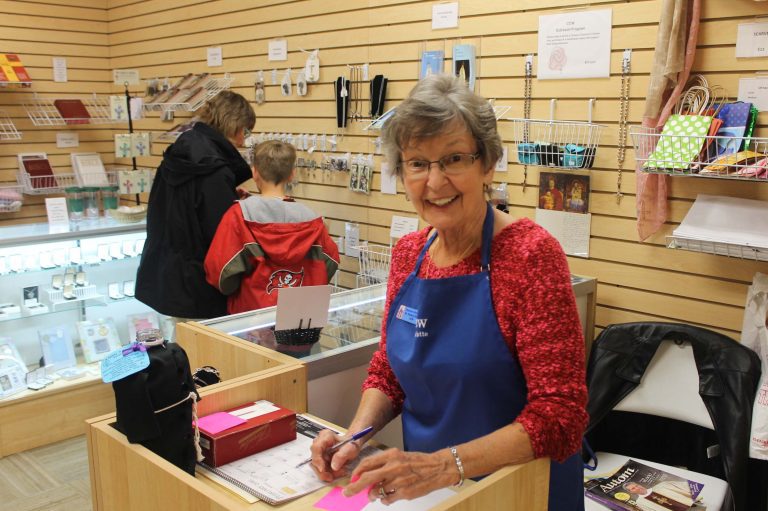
x=527, y=94
x=623, y=114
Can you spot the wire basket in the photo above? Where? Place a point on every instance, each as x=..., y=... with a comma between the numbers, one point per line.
x=558, y=144
x=128, y=215
x=11, y=198
x=8, y=130
x=188, y=99
x=374, y=264
x=44, y=112
x=705, y=156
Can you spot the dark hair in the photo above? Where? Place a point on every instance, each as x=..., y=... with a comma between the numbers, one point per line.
x=228, y=112
x=432, y=108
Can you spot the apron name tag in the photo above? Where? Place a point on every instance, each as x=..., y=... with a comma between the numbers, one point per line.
x=407, y=314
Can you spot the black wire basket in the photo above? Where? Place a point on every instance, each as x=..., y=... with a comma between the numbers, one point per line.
x=299, y=336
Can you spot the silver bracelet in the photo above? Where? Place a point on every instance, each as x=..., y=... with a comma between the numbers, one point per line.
x=459, y=466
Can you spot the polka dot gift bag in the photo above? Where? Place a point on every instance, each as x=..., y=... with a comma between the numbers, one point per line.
x=684, y=134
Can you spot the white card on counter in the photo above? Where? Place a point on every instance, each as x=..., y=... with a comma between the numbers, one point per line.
x=306, y=306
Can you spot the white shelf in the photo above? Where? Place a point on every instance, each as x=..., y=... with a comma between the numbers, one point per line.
x=212, y=87
x=718, y=248
x=8, y=130
x=43, y=112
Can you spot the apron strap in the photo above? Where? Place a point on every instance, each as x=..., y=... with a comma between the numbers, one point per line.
x=485, y=255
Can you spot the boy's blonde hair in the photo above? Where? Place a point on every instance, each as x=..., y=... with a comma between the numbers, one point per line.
x=274, y=161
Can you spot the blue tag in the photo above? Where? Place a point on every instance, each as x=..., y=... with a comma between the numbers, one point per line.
x=124, y=362
x=407, y=314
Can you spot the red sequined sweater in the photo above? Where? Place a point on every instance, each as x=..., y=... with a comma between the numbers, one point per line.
x=536, y=309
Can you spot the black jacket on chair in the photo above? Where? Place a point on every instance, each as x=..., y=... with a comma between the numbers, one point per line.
x=728, y=377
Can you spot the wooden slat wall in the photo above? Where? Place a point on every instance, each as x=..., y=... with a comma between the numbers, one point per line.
x=637, y=281
x=38, y=31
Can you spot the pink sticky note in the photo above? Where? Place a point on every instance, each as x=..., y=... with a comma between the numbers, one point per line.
x=334, y=500
x=219, y=421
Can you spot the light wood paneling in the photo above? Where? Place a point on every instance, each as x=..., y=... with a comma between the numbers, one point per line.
x=169, y=38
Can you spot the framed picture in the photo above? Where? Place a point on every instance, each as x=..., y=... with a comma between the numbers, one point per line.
x=98, y=338
x=577, y=194
x=13, y=371
x=57, y=347
x=552, y=191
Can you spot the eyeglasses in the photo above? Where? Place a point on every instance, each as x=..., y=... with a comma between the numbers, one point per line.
x=246, y=132
x=450, y=165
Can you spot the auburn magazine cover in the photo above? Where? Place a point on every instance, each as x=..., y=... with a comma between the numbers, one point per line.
x=639, y=487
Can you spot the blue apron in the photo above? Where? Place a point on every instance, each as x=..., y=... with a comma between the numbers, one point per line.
x=459, y=377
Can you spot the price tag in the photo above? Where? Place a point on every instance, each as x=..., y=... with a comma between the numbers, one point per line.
x=124, y=362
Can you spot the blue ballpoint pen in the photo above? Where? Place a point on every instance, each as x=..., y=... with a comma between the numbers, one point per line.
x=338, y=445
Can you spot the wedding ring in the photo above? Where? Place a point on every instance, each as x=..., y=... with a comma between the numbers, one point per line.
x=385, y=493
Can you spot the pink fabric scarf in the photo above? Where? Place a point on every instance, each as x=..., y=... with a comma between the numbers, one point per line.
x=668, y=69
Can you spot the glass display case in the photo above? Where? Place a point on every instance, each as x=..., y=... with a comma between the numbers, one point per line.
x=55, y=280
x=349, y=339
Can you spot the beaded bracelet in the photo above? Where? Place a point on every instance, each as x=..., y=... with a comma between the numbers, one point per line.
x=459, y=466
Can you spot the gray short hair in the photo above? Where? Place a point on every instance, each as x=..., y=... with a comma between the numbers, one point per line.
x=434, y=104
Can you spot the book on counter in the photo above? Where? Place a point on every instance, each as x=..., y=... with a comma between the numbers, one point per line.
x=73, y=111
x=638, y=487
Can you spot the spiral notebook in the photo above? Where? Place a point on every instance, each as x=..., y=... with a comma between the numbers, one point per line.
x=272, y=475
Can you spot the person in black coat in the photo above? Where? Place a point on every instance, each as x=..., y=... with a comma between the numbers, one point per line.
x=194, y=186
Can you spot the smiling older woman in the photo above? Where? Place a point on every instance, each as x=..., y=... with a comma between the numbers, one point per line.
x=481, y=347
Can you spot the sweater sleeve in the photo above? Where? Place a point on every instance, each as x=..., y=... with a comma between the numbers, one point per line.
x=549, y=344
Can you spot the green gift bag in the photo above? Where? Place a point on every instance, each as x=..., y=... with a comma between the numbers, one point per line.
x=680, y=142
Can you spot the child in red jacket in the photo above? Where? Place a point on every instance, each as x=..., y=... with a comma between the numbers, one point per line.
x=266, y=242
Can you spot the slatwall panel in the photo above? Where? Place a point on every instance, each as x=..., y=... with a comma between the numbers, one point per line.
x=38, y=31
x=637, y=281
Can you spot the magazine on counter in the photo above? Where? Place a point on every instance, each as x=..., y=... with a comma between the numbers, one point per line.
x=638, y=487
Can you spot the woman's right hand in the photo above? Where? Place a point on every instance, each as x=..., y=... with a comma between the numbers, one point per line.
x=330, y=466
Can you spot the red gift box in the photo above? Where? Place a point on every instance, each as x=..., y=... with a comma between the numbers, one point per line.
x=257, y=434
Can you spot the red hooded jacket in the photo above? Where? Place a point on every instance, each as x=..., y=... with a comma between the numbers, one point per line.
x=250, y=260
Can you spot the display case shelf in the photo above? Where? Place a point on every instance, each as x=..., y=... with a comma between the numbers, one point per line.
x=8, y=130
x=210, y=89
x=738, y=158
x=43, y=112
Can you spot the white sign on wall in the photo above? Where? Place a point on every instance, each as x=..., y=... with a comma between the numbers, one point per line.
x=278, y=49
x=752, y=40
x=575, y=45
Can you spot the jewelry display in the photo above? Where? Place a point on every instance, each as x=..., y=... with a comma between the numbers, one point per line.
x=129, y=287
x=285, y=85
x=378, y=95
x=623, y=120
x=57, y=282
x=341, y=93
x=75, y=255
x=301, y=84
x=46, y=261
x=103, y=252
x=259, y=92
x=80, y=279
x=15, y=263
x=527, y=93
x=113, y=291
x=3, y=266
x=69, y=279
x=68, y=292
x=115, y=252
x=312, y=66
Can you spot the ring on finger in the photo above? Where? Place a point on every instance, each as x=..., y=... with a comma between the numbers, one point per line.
x=383, y=493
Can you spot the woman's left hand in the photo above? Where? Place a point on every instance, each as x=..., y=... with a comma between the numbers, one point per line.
x=395, y=475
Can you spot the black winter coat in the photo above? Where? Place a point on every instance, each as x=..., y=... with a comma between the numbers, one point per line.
x=194, y=186
x=728, y=378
